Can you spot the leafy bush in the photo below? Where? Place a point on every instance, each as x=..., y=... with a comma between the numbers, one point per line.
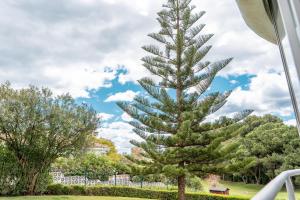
x=130, y=192
x=11, y=178
x=91, y=165
x=36, y=128
x=8, y=171
x=194, y=183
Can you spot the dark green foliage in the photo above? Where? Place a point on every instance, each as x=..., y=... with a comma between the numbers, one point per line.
x=266, y=148
x=130, y=192
x=37, y=128
x=90, y=165
x=9, y=172
x=11, y=175
x=171, y=119
x=194, y=183
x=149, y=178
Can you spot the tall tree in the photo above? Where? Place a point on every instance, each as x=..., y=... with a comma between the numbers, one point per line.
x=267, y=147
x=177, y=139
x=38, y=128
x=112, y=150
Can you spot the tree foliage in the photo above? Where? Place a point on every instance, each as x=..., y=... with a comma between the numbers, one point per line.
x=8, y=171
x=90, y=165
x=37, y=128
x=266, y=148
x=112, y=153
x=171, y=119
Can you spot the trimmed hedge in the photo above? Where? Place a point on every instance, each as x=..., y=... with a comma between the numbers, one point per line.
x=59, y=189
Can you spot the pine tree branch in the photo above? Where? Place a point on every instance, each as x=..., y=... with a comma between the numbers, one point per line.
x=150, y=112
x=146, y=107
x=159, y=94
x=159, y=38
x=194, y=31
x=149, y=121
x=158, y=106
x=199, y=41
x=194, y=18
x=200, y=66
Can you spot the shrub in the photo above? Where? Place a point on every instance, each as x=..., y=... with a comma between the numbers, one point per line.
x=58, y=189
x=131, y=192
x=194, y=183
x=11, y=179
x=8, y=171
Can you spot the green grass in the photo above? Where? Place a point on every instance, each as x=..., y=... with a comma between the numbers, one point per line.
x=248, y=190
x=236, y=189
x=244, y=190
x=67, y=198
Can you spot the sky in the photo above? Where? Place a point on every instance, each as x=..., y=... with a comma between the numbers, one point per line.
x=92, y=50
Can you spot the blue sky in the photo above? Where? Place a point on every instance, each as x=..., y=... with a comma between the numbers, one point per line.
x=98, y=99
x=92, y=50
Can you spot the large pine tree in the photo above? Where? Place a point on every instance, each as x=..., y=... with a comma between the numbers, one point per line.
x=177, y=139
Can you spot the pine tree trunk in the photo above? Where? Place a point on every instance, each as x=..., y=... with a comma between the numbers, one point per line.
x=179, y=91
x=181, y=188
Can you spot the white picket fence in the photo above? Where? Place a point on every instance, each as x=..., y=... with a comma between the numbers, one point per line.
x=121, y=180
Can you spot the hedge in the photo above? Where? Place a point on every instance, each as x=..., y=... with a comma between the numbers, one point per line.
x=59, y=189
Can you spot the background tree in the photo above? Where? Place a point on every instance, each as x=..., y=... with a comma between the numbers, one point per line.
x=112, y=152
x=267, y=147
x=38, y=128
x=96, y=167
x=91, y=165
x=9, y=172
x=172, y=120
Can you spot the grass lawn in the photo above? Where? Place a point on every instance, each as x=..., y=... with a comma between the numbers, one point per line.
x=67, y=198
x=236, y=189
x=249, y=190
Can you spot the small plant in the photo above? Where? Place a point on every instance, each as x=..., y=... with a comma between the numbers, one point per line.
x=195, y=183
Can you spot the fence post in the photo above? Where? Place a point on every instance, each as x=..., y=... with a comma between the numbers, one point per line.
x=142, y=179
x=115, y=175
x=290, y=189
x=167, y=185
x=85, y=177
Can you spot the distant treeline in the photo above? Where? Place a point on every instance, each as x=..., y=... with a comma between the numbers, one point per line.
x=266, y=147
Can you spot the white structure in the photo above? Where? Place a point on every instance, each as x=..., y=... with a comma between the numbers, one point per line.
x=121, y=179
x=98, y=149
x=278, y=21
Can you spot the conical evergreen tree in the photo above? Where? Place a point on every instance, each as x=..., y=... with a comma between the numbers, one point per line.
x=171, y=121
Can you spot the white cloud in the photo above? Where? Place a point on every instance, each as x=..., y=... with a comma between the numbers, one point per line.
x=291, y=122
x=66, y=45
x=105, y=116
x=267, y=93
x=78, y=80
x=126, y=117
x=122, y=96
x=52, y=42
x=233, y=82
x=233, y=38
x=120, y=133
